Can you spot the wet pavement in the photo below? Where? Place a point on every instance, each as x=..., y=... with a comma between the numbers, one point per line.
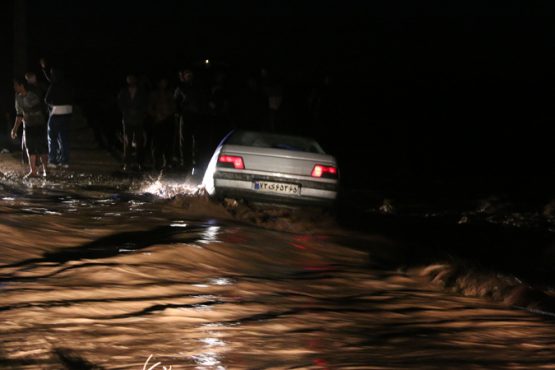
x=105, y=271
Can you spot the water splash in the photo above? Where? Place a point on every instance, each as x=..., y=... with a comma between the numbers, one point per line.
x=169, y=189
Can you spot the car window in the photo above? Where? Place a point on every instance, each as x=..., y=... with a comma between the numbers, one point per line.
x=276, y=141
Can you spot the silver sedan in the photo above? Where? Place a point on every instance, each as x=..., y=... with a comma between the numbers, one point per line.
x=261, y=166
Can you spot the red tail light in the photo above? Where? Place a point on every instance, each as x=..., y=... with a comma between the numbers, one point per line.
x=324, y=171
x=231, y=161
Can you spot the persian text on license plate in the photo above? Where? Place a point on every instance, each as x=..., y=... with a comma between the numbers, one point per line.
x=277, y=187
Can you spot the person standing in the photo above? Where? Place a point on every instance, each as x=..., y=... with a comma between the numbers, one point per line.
x=162, y=109
x=44, y=68
x=30, y=112
x=59, y=98
x=133, y=104
x=187, y=98
x=35, y=85
x=39, y=89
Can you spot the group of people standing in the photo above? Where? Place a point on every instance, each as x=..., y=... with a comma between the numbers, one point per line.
x=163, y=120
x=45, y=113
x=179, y=123
x=161, y=123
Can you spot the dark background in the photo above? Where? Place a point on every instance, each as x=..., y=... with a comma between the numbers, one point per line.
x=459, y=93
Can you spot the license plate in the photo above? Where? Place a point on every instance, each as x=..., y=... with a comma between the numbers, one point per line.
x=277, y=187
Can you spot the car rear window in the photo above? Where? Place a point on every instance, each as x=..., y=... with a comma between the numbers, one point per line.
x=275, y=141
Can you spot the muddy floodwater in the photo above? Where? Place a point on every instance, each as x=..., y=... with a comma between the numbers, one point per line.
x=96, y=277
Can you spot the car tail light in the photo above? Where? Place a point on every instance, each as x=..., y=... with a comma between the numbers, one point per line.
x=231, y=161
x=320, y=170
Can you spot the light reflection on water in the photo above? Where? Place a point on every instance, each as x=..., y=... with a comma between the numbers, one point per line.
x=80, y=276
x=210, y=235
x=207, y=361
x=221, y=281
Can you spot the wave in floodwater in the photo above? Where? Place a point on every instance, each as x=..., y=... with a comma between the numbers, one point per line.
x=109, y=280
x=206, y=296
x=190, y=196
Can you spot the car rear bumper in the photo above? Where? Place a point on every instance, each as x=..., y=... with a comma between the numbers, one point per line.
x=324, y=194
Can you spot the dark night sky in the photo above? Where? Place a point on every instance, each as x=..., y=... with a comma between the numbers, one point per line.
x=463, y=87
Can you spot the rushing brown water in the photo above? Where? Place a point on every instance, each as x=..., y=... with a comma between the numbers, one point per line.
x=93, y=278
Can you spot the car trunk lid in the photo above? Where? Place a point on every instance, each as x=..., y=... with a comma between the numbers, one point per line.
x=278, y=160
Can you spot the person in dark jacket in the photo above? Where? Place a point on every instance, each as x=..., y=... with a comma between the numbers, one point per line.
x=133, y=104
x=162, y=109
x=35, y=85
x=59, y=98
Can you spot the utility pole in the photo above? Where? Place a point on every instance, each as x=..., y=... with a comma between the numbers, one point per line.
x=20, y=37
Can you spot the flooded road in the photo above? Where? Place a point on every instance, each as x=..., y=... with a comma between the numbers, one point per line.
x=100, y=278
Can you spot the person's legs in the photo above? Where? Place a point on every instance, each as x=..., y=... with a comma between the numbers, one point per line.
x=41, y=148
x=35, y=143
x=157, y=146
x=63, y=138
x=187, y=141
x=140, y=145
x=53, y=143
x=24, y=156
x=127, y=137
x=182, y=141
x=32, y=165
x=44, y=162
x=165, y=142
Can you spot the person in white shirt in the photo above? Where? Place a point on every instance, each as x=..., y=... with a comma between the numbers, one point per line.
x=59, y=98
